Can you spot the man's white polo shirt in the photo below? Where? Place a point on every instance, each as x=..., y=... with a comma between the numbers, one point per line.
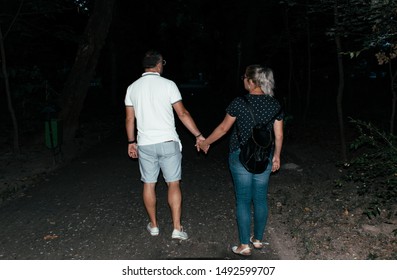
x=152, y=97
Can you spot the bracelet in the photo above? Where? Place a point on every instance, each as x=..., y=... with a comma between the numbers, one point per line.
x=198, y=135
x=132, y=142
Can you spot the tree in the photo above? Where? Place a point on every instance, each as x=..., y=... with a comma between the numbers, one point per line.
x=351, y=20
x=348, y=23
x=82, y=72
x=384, y=39
x=8, y=93
x=296, y=21
x=373, y=26
x=7, y=84
x=339, y=98
x=32, y=32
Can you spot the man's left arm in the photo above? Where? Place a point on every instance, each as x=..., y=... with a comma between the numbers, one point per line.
x=187, y=120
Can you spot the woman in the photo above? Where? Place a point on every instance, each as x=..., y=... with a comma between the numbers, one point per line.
x=249, y=187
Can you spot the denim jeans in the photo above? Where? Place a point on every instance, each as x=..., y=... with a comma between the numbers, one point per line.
x=250, y=189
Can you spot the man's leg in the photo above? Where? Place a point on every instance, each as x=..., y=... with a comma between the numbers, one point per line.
x=170, y=164
x=175, y=203
x=149, y=199
x=149, y=168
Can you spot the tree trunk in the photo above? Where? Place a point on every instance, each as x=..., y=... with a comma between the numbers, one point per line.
x=113, y=75
x=339, y=98
x=76, y=87
x=290, y=58
x=248, y=52
x=239, y=69
x=8, y=92
x=394, y=97
x=293, y=97
x=341, y=87
x=309, y=65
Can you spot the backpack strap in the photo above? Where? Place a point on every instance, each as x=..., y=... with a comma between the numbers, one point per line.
x=249, y=107
x=252, y=113
x=245, y=99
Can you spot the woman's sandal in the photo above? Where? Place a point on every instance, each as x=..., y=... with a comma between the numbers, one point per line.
x=256, y=244
x=243, y=252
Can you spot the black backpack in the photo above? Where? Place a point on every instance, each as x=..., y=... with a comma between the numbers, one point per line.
x=254, y=154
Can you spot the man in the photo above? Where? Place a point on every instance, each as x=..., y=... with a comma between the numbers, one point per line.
x=151, y=100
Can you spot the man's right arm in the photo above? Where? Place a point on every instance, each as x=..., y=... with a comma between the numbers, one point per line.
x=130, y=130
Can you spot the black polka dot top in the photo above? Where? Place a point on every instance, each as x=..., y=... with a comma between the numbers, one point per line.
x=264, y=107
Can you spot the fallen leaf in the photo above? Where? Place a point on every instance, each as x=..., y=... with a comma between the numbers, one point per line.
x=50, y=237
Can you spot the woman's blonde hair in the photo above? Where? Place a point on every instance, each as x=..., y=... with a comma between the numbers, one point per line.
x=262, y=77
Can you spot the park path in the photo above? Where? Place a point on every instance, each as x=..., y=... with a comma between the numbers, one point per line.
x=91, y=209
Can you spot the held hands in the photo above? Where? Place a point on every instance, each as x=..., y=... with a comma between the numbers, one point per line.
x=198, y=141
x=199, y=144
x=202, y=145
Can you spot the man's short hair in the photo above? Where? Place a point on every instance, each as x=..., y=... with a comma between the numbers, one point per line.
x=151, y=59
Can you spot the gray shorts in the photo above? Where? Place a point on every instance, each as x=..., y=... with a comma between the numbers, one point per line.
x=166, y=156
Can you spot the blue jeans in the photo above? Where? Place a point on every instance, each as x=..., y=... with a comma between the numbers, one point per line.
x=250, y=189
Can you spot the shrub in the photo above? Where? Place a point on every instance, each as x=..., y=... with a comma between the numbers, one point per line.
x=373, y=168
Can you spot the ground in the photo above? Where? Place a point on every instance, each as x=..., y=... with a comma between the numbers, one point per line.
x=323, y=214
x=312, y=216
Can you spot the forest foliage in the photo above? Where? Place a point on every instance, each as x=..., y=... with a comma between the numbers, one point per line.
x=218, y=39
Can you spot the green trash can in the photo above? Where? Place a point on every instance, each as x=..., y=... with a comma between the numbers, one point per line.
x=53, y=133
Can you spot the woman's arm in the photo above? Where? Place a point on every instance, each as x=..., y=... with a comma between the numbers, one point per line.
x=279, y=136
x=218, y=132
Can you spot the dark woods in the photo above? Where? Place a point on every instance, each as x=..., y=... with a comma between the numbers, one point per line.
x=71, y=60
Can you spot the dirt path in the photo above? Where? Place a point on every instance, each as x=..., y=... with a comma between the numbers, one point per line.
x=92, y=209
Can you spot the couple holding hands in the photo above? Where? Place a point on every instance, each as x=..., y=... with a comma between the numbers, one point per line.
x=151, y=100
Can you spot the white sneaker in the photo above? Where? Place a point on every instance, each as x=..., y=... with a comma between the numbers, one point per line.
x=179, y=234
x=154, y=231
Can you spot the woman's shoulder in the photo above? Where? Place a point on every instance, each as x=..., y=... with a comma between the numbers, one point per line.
x=235, y=105
x=270, y=99
x=237, y=101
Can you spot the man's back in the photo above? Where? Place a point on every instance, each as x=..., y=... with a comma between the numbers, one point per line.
x=152, y=97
